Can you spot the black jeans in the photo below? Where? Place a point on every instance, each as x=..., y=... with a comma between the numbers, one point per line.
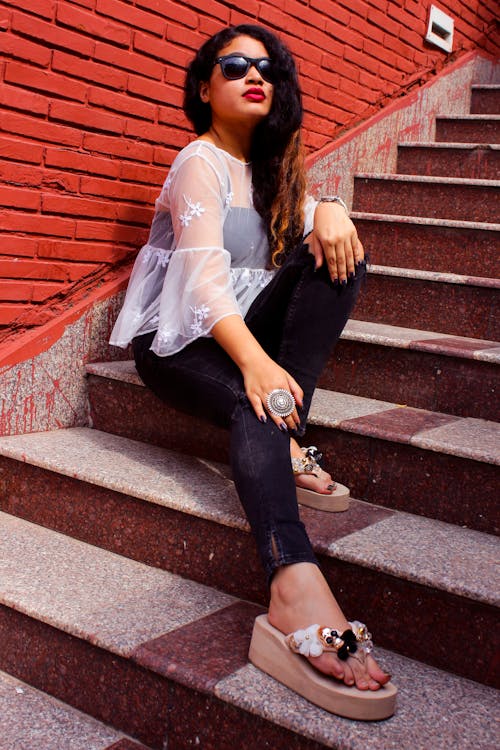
x=297, y=319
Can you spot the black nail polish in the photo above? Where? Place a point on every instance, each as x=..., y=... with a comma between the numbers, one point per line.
x=263, y=418
x=344, y=282
x=335, y=282
x=283, y=427
x=351, y=274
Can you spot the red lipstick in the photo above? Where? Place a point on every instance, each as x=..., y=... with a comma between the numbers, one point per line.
x=254, y=95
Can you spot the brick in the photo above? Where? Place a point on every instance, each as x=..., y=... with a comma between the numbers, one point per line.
x=141, y=173
x=32, y=269
x=173, y=116
x=209, y=26
x=162, y=50
x=355, y=6
x=19, y=198
x=10, y=313
x=84, y=3
x=36, y=224
x=175, y=76
x=90, y=71
x=89, y=23
x=52, y=35
x=343, y=68
x=410, y=37
x=41, y=80
x=157, y=133
x=366, y=29
x=131, y=16
x=42, y=291
x=104, y=230
x=128, y=105
x=79, y=162
x=64, y=182
x=324, y=41
x=303, y=50
x=129, y=61
x=24, y=291
x=22, y=49
x=125, y=149
x=382, y=21
x=164, y=156
x=92, y=252
x=20, y=175
x=86, y=117
x=24, y=246
x=157, y=92
x=77, y=206
x=331, y=9
x=185, y=37
x=44, y=8
x=12, y=97
x=172, y=10
x=119, y=190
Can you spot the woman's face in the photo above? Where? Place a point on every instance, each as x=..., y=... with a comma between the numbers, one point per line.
x=246, y=99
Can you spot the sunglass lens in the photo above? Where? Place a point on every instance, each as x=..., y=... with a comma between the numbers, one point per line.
x=266, y=70
x=234, y=67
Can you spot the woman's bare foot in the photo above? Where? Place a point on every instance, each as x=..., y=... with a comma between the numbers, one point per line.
x=300, y=596
x=323, y=483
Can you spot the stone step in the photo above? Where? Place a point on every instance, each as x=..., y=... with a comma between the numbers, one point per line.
x=473, y=160
x=437, y=465
x=449, y=246
x=468, y=128
x=422, y=369
x=167, y=516
x=485, y=99
x=32, y=719
x=165, y=659
x=449, y=303
x=435, y=197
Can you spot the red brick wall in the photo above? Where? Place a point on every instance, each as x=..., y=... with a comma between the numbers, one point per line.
x=90, y=118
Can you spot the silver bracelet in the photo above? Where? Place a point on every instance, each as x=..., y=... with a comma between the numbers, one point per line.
x=334, y=199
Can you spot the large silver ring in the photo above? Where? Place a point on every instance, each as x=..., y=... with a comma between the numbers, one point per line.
x=280, y=402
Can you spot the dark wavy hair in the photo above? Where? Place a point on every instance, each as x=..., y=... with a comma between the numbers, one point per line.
x=278, y=172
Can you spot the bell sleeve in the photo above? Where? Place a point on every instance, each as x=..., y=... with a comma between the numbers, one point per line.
x=197, y=291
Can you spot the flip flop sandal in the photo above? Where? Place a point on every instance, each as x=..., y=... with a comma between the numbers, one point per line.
x=282, y=657
x=336, y=501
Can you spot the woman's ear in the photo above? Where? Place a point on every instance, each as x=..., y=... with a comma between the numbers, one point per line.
x=204, y=89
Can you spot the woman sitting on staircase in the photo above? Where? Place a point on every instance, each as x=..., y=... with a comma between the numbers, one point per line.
x=233, y=316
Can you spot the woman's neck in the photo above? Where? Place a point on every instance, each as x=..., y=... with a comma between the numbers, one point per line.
x=235, y=142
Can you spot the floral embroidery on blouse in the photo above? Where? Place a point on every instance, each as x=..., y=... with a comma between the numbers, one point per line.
x=248, y=276
x=193, y=209
x=162, y=256
x=228, y=199
x=200, y=313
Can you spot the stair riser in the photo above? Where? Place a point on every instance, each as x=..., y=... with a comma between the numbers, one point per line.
x=438, y=200
x=465, y=387
x=471, y=252
x=385, y=472
x=467, y=131
x=135, y=700
x=485, y=102
x=462, y=310
x=235, y=569
x=480, y=163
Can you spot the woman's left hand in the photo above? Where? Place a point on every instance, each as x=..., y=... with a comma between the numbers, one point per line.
x=335, y=241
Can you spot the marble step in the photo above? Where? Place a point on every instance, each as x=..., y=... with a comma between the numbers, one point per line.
x=485, y=99
x=31, y=719
x=423, y=369
x=448, y=246
x=474, y=160
x=476, y=128
x=164, y=659
x=181, y=514
x=437, y=465
x=434, y=197
x=450, y=303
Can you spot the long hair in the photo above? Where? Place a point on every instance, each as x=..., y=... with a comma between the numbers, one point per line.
x=278, y=172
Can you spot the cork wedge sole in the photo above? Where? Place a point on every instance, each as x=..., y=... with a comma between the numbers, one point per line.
x=336, y=502
x=270, y=653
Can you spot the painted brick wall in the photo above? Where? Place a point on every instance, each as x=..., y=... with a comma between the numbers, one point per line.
x=90, y=118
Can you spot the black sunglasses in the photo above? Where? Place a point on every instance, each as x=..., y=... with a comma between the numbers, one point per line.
x=237, y=66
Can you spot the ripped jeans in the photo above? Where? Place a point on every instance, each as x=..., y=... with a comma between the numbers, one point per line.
x=297, y=318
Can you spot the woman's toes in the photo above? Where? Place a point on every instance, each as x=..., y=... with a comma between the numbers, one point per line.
x=375, y=672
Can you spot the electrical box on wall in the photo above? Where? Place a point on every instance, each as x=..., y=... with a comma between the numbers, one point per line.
x=440, y=29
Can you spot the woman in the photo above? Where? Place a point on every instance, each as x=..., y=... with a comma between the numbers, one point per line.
x=233, y=318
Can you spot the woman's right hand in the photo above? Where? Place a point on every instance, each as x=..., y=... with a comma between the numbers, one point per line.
x=263, y=376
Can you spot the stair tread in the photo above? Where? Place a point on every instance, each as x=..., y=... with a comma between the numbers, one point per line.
x=393, y=542
x=488, y=86
x=105, y=595
x=449, y=145
x=33, y=719
x=429, y=179
x=438, y=276
x=466, y=437
x=469, y=117
x=425, y=341
x=426, y=221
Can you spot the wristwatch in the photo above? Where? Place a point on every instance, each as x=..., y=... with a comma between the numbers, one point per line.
x=334, y=199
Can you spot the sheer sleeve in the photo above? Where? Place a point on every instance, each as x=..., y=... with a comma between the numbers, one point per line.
x=309, y=208
x=197, y=291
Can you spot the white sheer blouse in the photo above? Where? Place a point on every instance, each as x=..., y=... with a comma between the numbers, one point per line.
x=206, y=254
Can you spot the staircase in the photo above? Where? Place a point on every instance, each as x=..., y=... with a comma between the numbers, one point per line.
x=129, y=580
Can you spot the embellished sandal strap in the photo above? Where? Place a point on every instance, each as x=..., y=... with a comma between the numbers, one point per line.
x=308, y=463
x=316, y=639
